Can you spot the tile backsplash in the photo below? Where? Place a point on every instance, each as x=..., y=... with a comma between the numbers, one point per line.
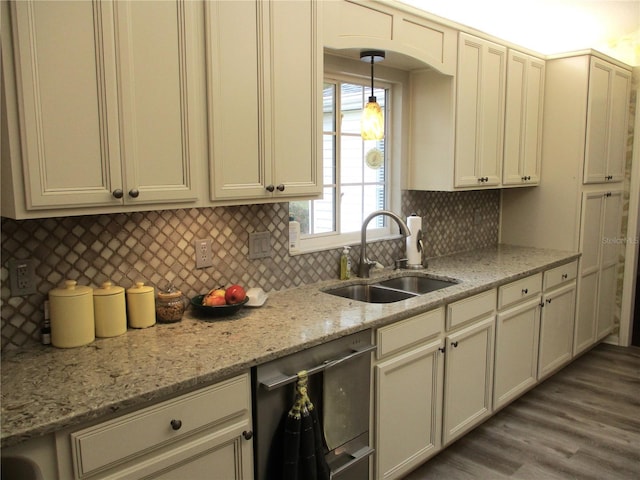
x=157, y=247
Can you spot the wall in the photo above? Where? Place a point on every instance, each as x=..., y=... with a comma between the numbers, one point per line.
x=157, y=247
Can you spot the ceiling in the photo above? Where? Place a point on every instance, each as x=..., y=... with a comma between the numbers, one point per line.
x=551, y=26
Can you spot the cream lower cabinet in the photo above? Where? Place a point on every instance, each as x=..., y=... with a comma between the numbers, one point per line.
x=104, y=105
x=408, y=379
x=557, y=319
x=469, y=360
x=600, y=245
x=264, y=79
x=203, y=434
x=517, y=337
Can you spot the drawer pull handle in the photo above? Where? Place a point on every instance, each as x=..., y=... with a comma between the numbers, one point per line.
x=176, y=424
x=247, y=434
x=525, y=291
x=454, y=344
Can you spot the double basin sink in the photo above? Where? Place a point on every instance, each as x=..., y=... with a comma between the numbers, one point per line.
x=391, y=290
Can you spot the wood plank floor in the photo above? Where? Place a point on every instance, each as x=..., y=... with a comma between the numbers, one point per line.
x=582, y=423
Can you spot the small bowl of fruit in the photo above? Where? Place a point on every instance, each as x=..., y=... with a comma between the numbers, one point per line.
x=220, y=301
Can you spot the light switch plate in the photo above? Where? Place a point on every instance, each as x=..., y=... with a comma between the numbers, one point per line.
x=259, y=245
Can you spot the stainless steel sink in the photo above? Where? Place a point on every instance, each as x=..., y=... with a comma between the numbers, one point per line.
x=416, y=284
x=371, y=293
x=391, y=290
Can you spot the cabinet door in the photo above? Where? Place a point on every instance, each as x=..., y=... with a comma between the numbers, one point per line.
x=590, y=242
x=556, y=329
x=480, y=112
x=157, y=99
x=607, y=117
x=610, y=246
x=517, y=336
x=296, y=97
x=523, y=119
x=408, y=409
x=66, y=81
x=235, y=103
x=468, y=378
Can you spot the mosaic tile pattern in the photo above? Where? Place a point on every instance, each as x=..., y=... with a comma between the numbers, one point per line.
x=156, y=247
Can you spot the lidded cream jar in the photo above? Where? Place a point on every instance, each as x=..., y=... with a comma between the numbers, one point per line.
x=141, y=306
x=110, y=310
x=72, y=319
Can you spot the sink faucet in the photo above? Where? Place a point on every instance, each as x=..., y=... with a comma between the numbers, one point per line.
x=365, y=264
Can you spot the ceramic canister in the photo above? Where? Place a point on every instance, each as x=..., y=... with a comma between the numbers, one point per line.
x=110, y=310
x=71, y=312
x=141, y=306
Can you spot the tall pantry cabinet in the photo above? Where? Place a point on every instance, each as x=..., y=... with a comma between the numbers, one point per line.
x=578, y=203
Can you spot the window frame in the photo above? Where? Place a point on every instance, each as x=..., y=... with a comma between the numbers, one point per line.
x=330, y=240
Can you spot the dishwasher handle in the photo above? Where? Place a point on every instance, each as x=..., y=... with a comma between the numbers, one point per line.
x=282, y=380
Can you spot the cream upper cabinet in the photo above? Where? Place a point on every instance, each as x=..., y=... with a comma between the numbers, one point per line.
x=607, y=119
x=264, y=79
x=479, y=112
x=523, y=120
x=104, y=99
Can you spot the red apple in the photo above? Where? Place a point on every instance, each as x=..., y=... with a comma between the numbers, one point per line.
x=235, y=294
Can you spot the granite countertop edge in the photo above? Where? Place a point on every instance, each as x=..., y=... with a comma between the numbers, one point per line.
x=45, y=389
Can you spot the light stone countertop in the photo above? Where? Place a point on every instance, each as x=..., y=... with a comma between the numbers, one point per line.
x=45, y=389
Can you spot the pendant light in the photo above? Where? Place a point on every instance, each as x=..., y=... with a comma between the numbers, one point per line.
x=372, y=123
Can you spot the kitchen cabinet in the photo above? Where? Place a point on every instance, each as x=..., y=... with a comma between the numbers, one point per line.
x=557, y=318
x=409, y=381
x=523, y=120
x=517, y=337
x=264, y=79
x=106, y=106
x=469, y=361
x=208, y=430
x=599, y=243
x=479, y=112
x=531, y=217
x=607, y=120
x=457, y=123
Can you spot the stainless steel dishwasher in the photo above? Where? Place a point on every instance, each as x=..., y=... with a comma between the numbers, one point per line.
x=339, y=375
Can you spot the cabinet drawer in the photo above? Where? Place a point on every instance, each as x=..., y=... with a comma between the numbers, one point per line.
x=519, y=290
x=107, y=444
x=463, y=311
x=559, y=275
x=395, y=337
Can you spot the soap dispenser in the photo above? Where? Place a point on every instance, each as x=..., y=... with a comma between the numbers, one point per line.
x=345, y=264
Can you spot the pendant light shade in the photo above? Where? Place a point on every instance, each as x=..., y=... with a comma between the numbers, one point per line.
x=372, y=123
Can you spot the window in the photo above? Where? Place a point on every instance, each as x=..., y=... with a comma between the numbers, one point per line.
x=355, y=176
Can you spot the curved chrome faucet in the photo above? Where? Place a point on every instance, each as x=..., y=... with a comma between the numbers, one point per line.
x=365, y=264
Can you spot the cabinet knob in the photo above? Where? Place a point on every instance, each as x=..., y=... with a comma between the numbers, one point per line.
x=117, y=193
x=441, y=349
x=134, y=192
x=548, y=300
x=525, y=291
x=176, y=424
x=270, y=188
x=454, y=344
x=280, y=188
x=247, y=434
x=565, y=276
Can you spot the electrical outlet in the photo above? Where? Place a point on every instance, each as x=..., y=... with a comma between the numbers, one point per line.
x=22, y=277
x=204, y=254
